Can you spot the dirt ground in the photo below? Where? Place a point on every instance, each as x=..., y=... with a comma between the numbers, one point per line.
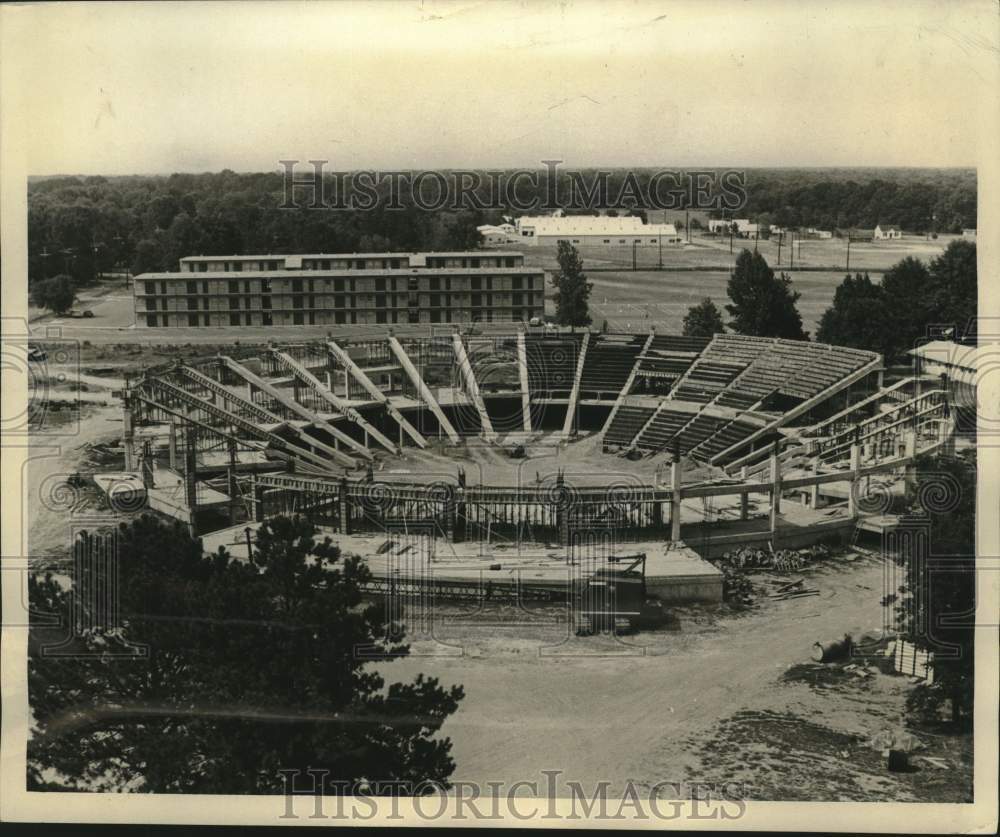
x=721, y=696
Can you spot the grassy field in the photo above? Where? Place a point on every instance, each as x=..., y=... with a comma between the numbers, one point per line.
x=633, y=301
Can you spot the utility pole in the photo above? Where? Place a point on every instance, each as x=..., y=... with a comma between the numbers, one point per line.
x=730, y=238
x=633, y=254
x=791, y=247
x=848, y=253
x=659, y=242
x=781, y=235
x=687, y=225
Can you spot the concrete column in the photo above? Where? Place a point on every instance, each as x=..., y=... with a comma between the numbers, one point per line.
x=881, y=378
x=459, y=530
x=852, y=506
x=172, y=445
x=562, y=524
x=128, y=437
x=146, y=464
x=344, y=508
x=775, y=492
x=258, y=502
x=910, y=469
x=675, y=500
x=744, y=497
x=814, y=498
x=191, y=475
x=234, y=490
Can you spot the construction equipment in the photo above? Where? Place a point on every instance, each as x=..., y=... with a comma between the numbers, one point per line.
x=614, y=599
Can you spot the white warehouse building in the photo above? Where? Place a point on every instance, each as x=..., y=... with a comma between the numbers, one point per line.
x=601, y=231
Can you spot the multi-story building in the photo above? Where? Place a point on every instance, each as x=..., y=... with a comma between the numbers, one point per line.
x=342, y=288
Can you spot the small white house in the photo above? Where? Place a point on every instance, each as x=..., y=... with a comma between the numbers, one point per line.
x=887, y=233
x=744, y=229
x=823, y=235
x=969, y=234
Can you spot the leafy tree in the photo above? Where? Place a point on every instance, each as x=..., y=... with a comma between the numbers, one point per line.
x=572, y=288
x=909, y=306
x=56, y=294
x=933, y=608
x=252, y=668
x=763, y=304
x=703, y=320
x=955, y=280
x=895, y=315
x=148, y=257
x=857, y=316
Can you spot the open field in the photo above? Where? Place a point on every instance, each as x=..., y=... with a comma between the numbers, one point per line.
x=634, y=300
x=710, y=252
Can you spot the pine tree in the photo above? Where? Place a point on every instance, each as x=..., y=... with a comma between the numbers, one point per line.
x=763, y=304
x=572, y=288
x=252, y=668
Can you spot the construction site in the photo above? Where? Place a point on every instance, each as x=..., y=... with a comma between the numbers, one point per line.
x=527, y=466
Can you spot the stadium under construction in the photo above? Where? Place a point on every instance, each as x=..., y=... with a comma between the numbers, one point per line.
x=522, y=462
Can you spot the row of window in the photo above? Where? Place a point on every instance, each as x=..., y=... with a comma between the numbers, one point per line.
x=235, y=267
x=236, y=318
x=339, y=284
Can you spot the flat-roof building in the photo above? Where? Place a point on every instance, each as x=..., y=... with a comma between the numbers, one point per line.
x=588, y=230
x=341, y=288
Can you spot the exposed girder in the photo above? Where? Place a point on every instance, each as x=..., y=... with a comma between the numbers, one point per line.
x=369, y=385
x=294, y=406
x=317, y=386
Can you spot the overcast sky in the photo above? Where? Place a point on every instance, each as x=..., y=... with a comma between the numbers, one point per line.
x=118, y=89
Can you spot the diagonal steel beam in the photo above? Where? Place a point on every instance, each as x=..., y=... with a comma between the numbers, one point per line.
x=472, y=386
x=317, y=386
x=422, y=389
x=248, y=426
x=214, y=386
x=358, y=374
x=294, y=406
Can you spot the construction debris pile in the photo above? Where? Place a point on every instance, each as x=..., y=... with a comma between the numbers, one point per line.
x=738, y=564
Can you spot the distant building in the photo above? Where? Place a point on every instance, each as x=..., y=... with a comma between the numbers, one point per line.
x=492, y=235
x=820, y=234
x=969, y=233
x=858, y=235
x=743, y=227
x=587, y=230
x=887, y=233
x=341, y=288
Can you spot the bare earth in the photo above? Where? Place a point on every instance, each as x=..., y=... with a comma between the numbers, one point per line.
x=723, y=699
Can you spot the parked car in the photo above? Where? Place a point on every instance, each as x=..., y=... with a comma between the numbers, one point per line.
x=87, y=314
x=535, y=321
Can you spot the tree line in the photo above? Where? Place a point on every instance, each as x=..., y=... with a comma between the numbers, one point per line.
x=86, y=226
